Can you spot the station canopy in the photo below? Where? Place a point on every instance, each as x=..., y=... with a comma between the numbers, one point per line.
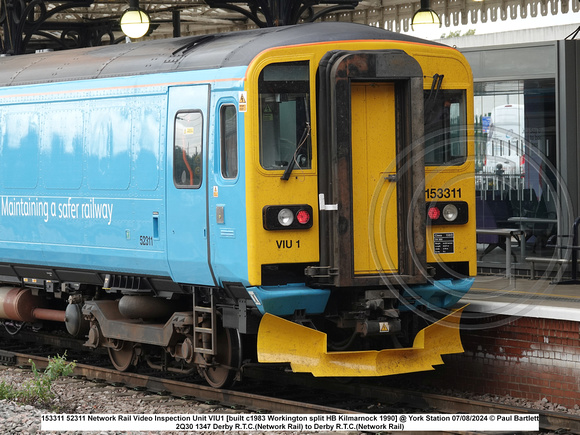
x=31, y=25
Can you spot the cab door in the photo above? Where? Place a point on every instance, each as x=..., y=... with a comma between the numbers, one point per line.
x=372, y=206
x=187, y=229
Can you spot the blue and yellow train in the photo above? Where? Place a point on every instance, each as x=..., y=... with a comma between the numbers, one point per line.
x=300, y=195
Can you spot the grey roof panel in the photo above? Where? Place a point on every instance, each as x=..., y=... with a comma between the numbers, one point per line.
x=178, y=54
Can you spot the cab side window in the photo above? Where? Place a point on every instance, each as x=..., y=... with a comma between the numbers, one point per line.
x=284, y=90
x=187, y=149
x=445, y=136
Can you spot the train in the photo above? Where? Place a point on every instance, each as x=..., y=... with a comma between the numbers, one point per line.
x=300, y=196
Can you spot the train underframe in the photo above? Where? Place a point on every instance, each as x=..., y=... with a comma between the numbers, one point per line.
x=216, y=337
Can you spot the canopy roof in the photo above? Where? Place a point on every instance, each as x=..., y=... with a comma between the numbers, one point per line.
x=71, y=23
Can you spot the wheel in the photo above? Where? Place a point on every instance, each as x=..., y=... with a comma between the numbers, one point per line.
x=223, y=366
x=123, y=357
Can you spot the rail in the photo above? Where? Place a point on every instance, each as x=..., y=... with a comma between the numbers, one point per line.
x=549, y=420
x=183, y=389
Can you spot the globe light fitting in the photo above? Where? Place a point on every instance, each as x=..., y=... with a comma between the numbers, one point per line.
x=425, y=16
x=135, y=22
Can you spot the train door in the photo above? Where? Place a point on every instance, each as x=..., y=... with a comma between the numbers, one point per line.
x=187, y=232
x=374, y=192
x=372, y=169
x=227, y=195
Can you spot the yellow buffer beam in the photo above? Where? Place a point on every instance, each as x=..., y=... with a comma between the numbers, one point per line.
x=280, y=340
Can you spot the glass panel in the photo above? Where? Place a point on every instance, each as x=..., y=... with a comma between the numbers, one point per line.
x=285, y=116
x=445, y=138
x=187, y=155
x=515, y=145
x=229, y=141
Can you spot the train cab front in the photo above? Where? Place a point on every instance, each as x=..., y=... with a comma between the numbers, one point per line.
x=341, y=259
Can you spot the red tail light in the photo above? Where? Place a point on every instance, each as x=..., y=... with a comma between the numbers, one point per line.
x=303, y=217
x=434, y=213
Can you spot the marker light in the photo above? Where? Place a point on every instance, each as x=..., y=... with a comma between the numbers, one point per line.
x=433, y=213
x=447, y=213
x=303, y=217
x=285, y=217
x=450, y=212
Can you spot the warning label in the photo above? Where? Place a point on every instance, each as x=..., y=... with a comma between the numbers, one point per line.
x=243, y=101
x=444, y=243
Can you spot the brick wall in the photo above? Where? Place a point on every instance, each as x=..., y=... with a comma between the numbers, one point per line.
x=527, y=357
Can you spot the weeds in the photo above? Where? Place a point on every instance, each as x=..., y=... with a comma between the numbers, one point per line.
x=38, y=390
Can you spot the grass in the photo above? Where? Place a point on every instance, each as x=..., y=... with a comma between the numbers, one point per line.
x=38, y=390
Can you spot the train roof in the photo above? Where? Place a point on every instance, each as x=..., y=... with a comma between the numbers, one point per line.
x=177, y=54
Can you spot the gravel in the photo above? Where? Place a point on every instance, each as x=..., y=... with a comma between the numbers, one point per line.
x=74, y=396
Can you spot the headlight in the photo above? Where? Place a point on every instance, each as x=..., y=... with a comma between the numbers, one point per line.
x=450, y=212
x=285, y=217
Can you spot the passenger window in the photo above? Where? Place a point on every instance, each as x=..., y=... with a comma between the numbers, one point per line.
x=187, y=149
x=285, y=116
x=229, y=141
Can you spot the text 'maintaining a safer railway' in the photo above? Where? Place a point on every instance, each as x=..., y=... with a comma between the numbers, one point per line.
x=62, y=208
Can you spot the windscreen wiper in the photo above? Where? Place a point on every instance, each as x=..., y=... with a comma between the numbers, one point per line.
x=303, y=139
x=293, y=161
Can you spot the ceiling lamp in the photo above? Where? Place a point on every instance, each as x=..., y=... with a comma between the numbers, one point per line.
x=425, y=15
x=135, y=22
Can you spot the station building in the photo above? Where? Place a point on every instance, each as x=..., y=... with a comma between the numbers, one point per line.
x=527, y=104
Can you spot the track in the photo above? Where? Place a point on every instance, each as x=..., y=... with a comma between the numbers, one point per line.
x=415, y=401
x=178, y=388
x=262, y=383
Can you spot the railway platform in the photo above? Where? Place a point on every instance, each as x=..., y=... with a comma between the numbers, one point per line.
x=521, y=337
x=524, y=297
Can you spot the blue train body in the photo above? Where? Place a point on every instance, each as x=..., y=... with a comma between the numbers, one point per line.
x=84, y=170
x=163, y=198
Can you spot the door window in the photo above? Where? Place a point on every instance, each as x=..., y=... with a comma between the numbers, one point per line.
x=229, y=141
x=187, y=149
